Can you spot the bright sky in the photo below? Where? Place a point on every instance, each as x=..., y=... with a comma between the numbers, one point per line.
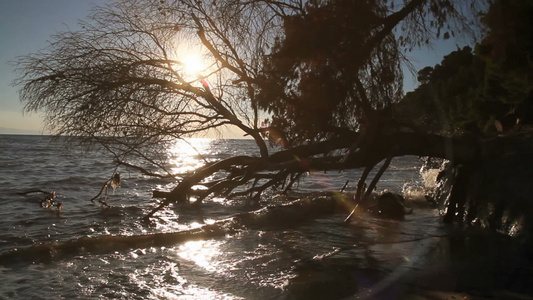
x=26, y=26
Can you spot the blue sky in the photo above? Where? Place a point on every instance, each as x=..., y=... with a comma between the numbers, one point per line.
x=26, y=26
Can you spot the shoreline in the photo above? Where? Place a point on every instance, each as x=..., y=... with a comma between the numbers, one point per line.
x=461, y=267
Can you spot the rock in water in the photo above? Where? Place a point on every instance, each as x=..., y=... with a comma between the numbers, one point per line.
x=390, y=205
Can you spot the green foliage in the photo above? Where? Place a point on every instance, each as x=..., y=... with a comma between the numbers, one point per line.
x=444, y=99
x=508, y=51
x=467, y=91
x=312, y=71
x=338, y=63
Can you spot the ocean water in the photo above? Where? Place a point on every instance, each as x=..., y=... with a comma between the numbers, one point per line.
x=222, y=249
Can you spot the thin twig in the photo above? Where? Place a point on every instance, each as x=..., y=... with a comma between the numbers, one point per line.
x=104, y=188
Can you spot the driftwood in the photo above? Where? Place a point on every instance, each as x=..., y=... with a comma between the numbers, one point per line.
x=49, y=200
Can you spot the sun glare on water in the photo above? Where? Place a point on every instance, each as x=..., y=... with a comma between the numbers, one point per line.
x=187, y=154
x=203, y=253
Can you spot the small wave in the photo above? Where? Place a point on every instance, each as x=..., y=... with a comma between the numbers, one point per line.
x=430, y=177
x=415, y=193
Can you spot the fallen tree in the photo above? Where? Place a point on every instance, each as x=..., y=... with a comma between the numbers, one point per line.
x=243, y=169
x=308, y=76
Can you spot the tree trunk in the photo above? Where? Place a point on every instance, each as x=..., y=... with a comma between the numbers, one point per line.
x=464, y=150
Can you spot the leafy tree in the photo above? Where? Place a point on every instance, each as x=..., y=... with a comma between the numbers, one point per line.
x=473, y=92
x=123, y=76
x=483, y=93
x=315, y=70
x=320, y=76
x=332, y=71
x=507, y=50
x=444, y=98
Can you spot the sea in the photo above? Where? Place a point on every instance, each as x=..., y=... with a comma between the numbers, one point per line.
x=280, y=248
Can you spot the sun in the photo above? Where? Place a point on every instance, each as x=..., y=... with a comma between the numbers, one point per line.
x=192, y=65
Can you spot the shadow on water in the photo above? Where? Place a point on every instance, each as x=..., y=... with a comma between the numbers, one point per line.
x=457, y=266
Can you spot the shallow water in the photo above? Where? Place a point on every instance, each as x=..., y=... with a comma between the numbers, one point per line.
x=223, y=249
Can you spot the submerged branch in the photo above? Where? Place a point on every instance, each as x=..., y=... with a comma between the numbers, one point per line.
x=376, y=178
x=113, y=182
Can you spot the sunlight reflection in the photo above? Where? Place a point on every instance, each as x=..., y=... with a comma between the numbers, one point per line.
x=188, y=154
x=169, y=221
x=163, y=281
x=191, y=292
x=202, y=253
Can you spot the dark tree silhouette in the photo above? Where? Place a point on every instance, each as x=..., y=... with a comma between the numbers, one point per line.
x=484, y=94
x=319, y=77
x=442, y=101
